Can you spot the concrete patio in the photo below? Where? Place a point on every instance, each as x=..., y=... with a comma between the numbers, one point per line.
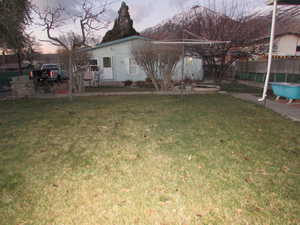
x=291, y=111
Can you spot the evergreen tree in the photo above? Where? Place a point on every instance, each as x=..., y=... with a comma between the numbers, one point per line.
x=14, y=16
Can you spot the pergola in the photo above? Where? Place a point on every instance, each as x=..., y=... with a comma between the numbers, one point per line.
x=188, y=42
x=274, y=3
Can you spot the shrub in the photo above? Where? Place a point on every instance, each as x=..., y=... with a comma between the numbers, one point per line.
x=148, y=80
x=144, y=84
x=187, y=81
x=127, y=83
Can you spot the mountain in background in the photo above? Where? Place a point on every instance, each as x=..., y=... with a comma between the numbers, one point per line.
x=172, y=28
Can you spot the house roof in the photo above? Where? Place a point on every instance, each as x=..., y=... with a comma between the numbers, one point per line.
x=122, y=40
x=266, y=39
x=287, y=33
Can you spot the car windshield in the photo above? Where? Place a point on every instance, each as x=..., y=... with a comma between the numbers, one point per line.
x=50, y=66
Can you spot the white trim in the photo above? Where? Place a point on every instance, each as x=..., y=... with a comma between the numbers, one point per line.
x=192, y=42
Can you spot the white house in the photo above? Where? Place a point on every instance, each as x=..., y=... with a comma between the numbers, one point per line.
x=112, y=61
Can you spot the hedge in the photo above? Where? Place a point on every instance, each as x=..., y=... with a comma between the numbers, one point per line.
x=6, y=77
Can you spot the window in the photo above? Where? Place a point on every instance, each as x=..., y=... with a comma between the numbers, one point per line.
x=190, y=60
x=93, y=62
x=298, y=48
x=106, y=62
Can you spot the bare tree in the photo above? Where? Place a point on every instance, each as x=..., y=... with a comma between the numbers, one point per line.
x=80, y=62
x=234, y=24
x=231, y=25
x=89, y=17
x=31, y=50
x=158, y=62
x=222, y=20
x=80, y=65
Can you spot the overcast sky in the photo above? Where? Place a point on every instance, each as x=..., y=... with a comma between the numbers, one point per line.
x=145, y=13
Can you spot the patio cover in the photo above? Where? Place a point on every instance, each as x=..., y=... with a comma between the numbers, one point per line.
x=284, y=2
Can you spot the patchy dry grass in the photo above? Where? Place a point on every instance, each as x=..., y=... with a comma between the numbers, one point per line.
x=240, y=88
x=147, y=160
x=119, y=89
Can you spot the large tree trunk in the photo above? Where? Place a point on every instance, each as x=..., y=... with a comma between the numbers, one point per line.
x=154, y=82
x=165, y=84
x=81, y=83
x=169, y=84
x=78, y=81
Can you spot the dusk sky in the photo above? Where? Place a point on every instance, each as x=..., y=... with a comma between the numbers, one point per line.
x=145, y=13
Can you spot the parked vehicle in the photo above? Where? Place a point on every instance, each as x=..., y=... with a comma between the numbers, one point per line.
x=50, y=72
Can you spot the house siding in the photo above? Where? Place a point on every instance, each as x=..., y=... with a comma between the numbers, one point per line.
x=287, y=44
x=120, y=54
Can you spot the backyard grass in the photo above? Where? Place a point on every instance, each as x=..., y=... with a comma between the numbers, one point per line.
x=118, y=89
x=236, y=87
x=151, y=160
x=229, y=87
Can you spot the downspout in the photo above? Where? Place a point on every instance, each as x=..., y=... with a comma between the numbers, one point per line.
x=270, y=52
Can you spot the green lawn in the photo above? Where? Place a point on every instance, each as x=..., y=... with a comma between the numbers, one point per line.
x=152, y=160
x=117, y=89
x=240, y=88
x=229, y=87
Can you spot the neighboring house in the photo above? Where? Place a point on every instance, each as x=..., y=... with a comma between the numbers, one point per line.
x=286, y=45
x=112, y=61
x=285, y=64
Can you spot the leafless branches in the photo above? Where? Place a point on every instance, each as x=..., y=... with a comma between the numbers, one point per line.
x=158, y=62
x=89, y=17
x=223, y=20
x=51, y=19
x=91, y=20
